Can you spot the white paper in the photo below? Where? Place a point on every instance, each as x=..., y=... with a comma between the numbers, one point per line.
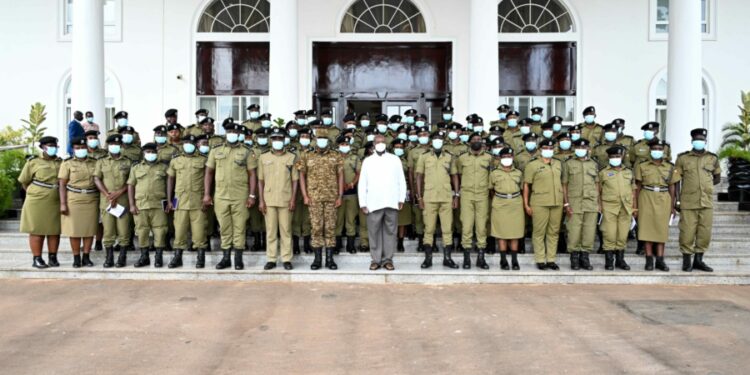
x=116, y=211
x=671, y=220
x=600, y=219
x=632, y=223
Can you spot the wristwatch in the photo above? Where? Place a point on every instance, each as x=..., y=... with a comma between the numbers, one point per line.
x=251, y=196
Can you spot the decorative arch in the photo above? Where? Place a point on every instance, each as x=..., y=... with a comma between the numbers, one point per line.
x=383, y=17
x=236, y=16
x=534, y=16
x=657, y=101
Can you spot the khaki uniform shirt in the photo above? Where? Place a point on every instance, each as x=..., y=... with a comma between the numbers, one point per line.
x=131, y=152
x=506, y=182
x=42, y=170
x=277, y=173
x=231, y=165
x=582, y=176
x=167, y=152
x=617, y=186
x=352, y=166
x=546, y=182
x=697, y=171
x=593, y=133
x=523, y=158
x=188, y=172
x=150, y=183
x=475, y=172
x=114, y=174
x=97, y=153
x=652, y=174
x=437, y=180
x=641, y=152
x=80, y=175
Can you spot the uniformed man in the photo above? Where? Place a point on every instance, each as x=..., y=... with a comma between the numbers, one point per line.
x=536, y=120
x=381, y=125
x=266, y=122
x=256, y=222
x=557, y=126
x=129, y=147
x=174, y=132
x=508, y=217
x=92, y=143
x=656, y=179
x=197, y=129
x=456, y=147
x=700, y=170
x=233, y=167
x=277, y=192
x=292, y=132
x=581, y=204
x=575, y=134
x=495, y=132
x=207, y=125
x=147, y=194
x=364, y=237
x=121, y=119
x=312, y=115
x=322, y=184
x=110, y=177
x=513, y=135
x=641, y=151
x=346, y=215
x=165, y=151
x=301, y=226
x=608, y=141
x=618, y=206
x=623, y=139
x=300, y=117
x=326, y=118
x=543, y=201
x=423, y=147
x=38, y=215
x=405, y=213
x=393, y=124
x=435, y=198
x=502, y=116
x=590, y=129
x=470, y=173
x=530, y=151
x=447, y=114
x=564, y=147
x=253, y=122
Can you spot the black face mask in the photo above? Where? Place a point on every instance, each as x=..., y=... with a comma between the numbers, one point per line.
x=476, y=146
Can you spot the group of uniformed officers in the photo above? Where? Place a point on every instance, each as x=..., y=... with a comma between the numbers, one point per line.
x=294, y=187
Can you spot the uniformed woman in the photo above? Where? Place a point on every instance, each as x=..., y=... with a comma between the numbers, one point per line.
x=39, y=179
x=79, y=202
x=616, y=203
x=655, y=179
x=404, y=215
x=508, y=217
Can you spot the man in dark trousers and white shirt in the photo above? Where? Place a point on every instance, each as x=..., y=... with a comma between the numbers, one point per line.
x=382, y=191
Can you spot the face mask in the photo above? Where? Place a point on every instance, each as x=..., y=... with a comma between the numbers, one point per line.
x=365, y=123
x=581, y=152
x=189, y=148
x=114, y=149
x=547, y=133
x=657, y=154
x=556, y=127
x=531, y=146
x=502, y=116
x=51, y=151
x=127, y=139
x=277, y=145
x=615, y=162
x=478, y=129
x=248, y=142
x=322, y=142
x=413, y=138
x=351, y=141
x=402, y=136
x=464, y=138
x=286, y=140
x=304, y=142
x=447, y=117
x=512, y=123
x=409, y=119
x=589, y=119
x=398, y=152
x=204, y=149
x=699, y=145
x=150, y=157
x=89, y=119
x=476, y=146
x=452, y=135
x=233, y=137
x=200, y=118
x=423, y=140
x=470, y=126
x=648, y=134
x=160, y=140
x=327, y=121
x=81, y=153
x=370, y=137
x=345, y=149
x=122, y=122
x=351, y=126
x=548, y=153
x=437, y=144
x=496, y=151
x=506, y=162
x=493, y=137
x=254, y=115
x=575, y=136
x=92, y=143
x=241, y=137
x=380, y=147
x=293, y=133
x=382, y=128
x=394, y=126
x=302, y=121
x=565, y=145
x=420, y=123
x=265, y=123
x=525, y=130
x=536, y=118
x=610, y=136
x=262, y=141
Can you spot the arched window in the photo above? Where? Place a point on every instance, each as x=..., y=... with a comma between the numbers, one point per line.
x=659, y=103
x=533, y=16
x=383, y=16
x=112, y=101
x=236, y=16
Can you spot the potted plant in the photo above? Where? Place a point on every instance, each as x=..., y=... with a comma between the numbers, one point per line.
x=735, y=147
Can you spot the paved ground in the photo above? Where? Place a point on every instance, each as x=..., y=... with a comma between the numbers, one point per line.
x=76, y=327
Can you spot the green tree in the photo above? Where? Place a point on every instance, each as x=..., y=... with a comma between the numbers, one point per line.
x=33, y=126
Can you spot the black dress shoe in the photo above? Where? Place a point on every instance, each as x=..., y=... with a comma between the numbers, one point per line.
x=269, y=266
x=77, y=261
x=39, y=263
x=553, y=266
x=288, y=266
x=541, y=266
x=53, y=261
x=86, y=260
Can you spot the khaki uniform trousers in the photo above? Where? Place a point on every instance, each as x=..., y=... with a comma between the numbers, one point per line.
x=695, y=230
x=151, y=221
x=193, y=222
x=116, y=229
x=582, y=231
x=278, y=222
x=615, y=226
x=346, y=216
x=232, y=216
x=546, y=231
x=474, y=218
x=433, y=210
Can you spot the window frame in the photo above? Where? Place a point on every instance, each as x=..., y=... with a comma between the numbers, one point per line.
x=542, y=101
x=263, y=101
x=62, y=24
x=710, y=22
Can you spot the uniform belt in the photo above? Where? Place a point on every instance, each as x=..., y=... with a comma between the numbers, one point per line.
x=508, y=196
x=81, y=191
x=44, y=184
x=657, y=189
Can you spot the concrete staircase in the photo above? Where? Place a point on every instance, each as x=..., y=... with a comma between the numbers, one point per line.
x=729, y=256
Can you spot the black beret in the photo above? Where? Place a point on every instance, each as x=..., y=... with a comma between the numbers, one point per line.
x=546, y=142
x=349, y=117
x=114, y=138
x=91, y=133
x=381, y=118
x=201, y=111
x=498, y=141
x=421, y=116
x=441, y=125
x=160, y=128
x=652, y=125
x=361, y=115
x=121, y=114
x=394, y=118
x=698, y=132
x=290, y=124
x=423, y=129
x=227, y=121
x=256, y=107
x=555, y=119
x=347, y=132
x=525, y=121
x=342, y=139
x=657, y=142
x=547, y=126
x=513, y=113
x=327, y=112
x=496, y=128
x=207, y=120
x=410, y=112
x=149, y=147
x=616, y=151
x=506, y=151
x=48, y=140
x=398, y=142
x=301, y=112
x=401, y=128
x=537, y=110
x=263, y=132
x=610, y=128
x=126, y=129
x=503, y=108
x=448, y=108
x=576, y=128
x=563, y=135
x=248, y=131
x=311, y=112
x=305, y=131
x=233, y=126
x=477, y=120
x=277, y=133
x=530, y=137
x=170, y=112
x=588, y=110
x=265, y=116
x=581, y=142
x=78, y=141
x=455, y=126
x=315, y=123
x=438, y=134
x=190, y=138
x=618, y=122
x=171, y=127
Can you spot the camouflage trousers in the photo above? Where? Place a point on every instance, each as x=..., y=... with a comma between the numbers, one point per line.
x=323, y=220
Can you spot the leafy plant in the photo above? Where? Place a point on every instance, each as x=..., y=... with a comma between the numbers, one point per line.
x=734, y=153
x=11, y=163
x=737, y=135
x=33, y=125
x=11, y=137
x=280, y=122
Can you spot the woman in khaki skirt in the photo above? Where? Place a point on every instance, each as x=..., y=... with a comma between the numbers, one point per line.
x=79, y=202
x=404, y=215
x=508, y=217
x=39, y=179
x=655, y=180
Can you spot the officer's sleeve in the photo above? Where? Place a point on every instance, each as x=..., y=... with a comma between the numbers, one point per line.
x=64, y=172
x=678, y=164
x=295, y=171
x=131, y=177
x=302, y=164
x=252, y=161
x=170, y=169
x=456, y=166
x=340, y=164
x=528, y=174
x=25, y=177
x=638, y=176
x=260, y=171
x=211, y=162
x=564, y=172
x=717, y=167
x=676, y=176
x=98, y=172
x=420, y=164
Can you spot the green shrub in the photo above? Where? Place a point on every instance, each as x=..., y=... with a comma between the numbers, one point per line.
x=11, y=163
x=11, y=137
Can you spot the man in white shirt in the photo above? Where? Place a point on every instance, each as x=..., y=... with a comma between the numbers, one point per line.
x=382, y=191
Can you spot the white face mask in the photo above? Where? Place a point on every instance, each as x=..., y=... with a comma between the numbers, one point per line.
x=277, y=145
x=304, y=142
x=345, y=149
x=380, y=147
x=150, y=157
x=506, y=162
x=254, y=115
x=548, y=153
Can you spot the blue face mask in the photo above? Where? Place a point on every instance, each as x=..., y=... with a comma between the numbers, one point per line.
x=322, y=142
x=547, y=133
x=575, y=136
x=479, y=129
x=302, y=121
x=327, y=121
x=413, y=138
x=525, y=130
x=127, y=139
x=254, y=115
x=496, y=151
x=589, y=119
x=277, y=145
x=233, y=137
x=248, y=142
x=464, y=138
x=452, y=135
x=382, y=128
x=51, y=151
x=699, y=144
x=304, y=142
x=512, y=123
x=409, y=119
x=493, y=137
x=420, y=123
x=437, y=144
x=189, y=148
x=556, y=127
x=548, y=153
x=581, y=152
x=648, y=134
x=265, y=123
x=502, y=116
x=616, y=162
x=398, y=152
x=365, y=123
x=424, y=140
x=370, y=137
x=345, y=149
x=204, y=149
x=447, y=117
x=657, y=154
x=610, y=136
x=92, y=143
x=81, y=153
x=565, y=145
x=536, y=118
x=90, y=120
x=241, y=137
x=394, y=126
x=262, y=141
x=402, y=136
x=122, y=122
x=150, y=156
x=293, y=132
x=114, y=149
x=287, y=140
x=160, y=140
x=530, y=146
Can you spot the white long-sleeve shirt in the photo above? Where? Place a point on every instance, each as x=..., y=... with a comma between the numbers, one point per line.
x=381, y=182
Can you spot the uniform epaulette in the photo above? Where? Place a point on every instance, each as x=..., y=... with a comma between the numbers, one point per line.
x=247, y=147
x=683, y=153
x=645, y=161
x=199, y=154
x=31, y=157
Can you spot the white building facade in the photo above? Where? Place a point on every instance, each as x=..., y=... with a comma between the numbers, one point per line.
x=144, y=56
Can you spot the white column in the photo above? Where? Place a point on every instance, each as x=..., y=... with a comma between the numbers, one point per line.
x=87, y=75
x=283, y=82
x=684, y=73
x=483, y=60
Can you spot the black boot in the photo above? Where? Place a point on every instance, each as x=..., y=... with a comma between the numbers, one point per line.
x=239, y=264
x=641, y=249
x=504, y=261
x=447, y=260
x=350, y=245
x=200, y=260
x=98, y=246
x=609, y=258
x=109, y=259
x=295, y=245
x=330, y=264
x=53, y=260
x=575, y=260
x=317, y=260
x=660, y=265
x=585, y=262
x=427, y=257
x=226, y=259
x=620, y=260
x=687, y=265
x=122, y=257
x=649, y=264
x=562, y=244
x=176, y=261
x=697, y=264
x=601, y=242
x=420, y=243
x=339, y=245
x=256, y=242
x=514, y=261
x=159, y=257
x=86, y=260
x=467, y=259
x=77, y=261
x=491, y=245
x=39, y=263
x=306, y=245
x=522, y=245
x=481, y=263
x=144, y=260
x=400, y=245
